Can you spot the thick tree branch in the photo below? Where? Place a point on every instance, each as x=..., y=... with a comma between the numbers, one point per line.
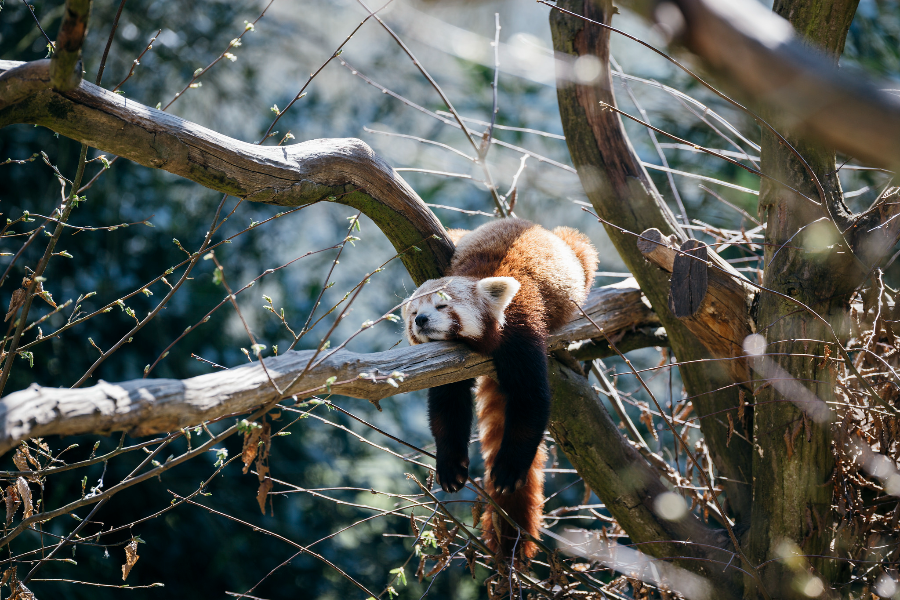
x=146, y=406
x=23, y=80
x=761, y=57
x=346, y=171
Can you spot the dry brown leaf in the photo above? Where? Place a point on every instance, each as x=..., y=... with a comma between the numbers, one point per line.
x=264, y=488
x=22, y=593
x=586, y=497
x=477, y=511
x=420, y=571
x=131, y=557
x=557, y=571
x=22, y=458
x=437, y=568
x=495, y=522
x=647, y=419
x=18, y=591
x=20, y=461
x=262, y=469
x=686, y=410
x=25, y=495
x=12, y=504
x=15, y=303
x=469, y=553
x=262, y=459
x=34, y=463
x=251, y=447
x=412, y=523
x=440, y=532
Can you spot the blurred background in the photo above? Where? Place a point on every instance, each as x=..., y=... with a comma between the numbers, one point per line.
x=205, y=555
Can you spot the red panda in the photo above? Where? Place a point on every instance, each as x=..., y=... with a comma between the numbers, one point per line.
x=509, y=283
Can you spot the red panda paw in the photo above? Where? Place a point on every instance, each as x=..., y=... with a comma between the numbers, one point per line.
x=509, y=476
x=452, y=474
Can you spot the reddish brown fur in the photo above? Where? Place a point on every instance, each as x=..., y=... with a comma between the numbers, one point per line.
x=584, y=250
x=525, y=505
x=519, y=249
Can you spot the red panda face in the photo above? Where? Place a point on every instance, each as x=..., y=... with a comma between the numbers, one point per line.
x=457, y=308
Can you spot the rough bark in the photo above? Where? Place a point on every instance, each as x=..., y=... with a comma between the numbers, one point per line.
x=339, y=170
x=622, y=193
x=23, y=80
x=147, y=406
x=792, y=493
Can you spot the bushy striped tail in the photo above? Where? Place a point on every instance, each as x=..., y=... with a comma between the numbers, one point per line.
x=525, y=505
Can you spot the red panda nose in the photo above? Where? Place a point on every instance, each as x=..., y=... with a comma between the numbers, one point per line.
x=421, y=320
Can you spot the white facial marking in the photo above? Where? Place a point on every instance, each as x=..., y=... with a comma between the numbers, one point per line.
x=444, y=309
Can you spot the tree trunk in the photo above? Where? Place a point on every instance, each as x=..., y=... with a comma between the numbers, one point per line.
x=792, y=457
x=621, y=192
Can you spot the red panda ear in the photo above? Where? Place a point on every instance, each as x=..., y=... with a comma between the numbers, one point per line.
x=499, y=292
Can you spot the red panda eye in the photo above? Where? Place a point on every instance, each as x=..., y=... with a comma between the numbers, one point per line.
x=441, y=306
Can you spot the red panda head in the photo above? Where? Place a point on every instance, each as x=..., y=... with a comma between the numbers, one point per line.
x=457, y=308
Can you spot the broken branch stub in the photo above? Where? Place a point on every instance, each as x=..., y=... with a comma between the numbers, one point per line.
x=719, y=315
x=689, y=279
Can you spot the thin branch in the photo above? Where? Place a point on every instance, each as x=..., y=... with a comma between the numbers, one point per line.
x=38, y=23
x=687, y=450
x=501, y=209
x=112, y=33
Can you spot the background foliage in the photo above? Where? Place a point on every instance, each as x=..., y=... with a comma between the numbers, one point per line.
x=189, y=549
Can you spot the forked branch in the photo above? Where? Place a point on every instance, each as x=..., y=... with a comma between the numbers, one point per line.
x=346, y=171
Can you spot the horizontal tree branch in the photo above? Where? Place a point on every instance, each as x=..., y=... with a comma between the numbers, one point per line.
x=346, y=171
x=148, y=406
x=646, y=337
